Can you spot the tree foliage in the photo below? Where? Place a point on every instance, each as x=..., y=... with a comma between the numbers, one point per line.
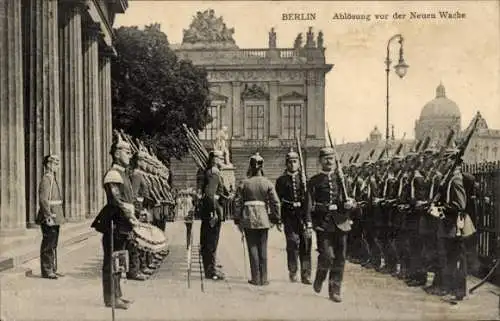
x=154, y=92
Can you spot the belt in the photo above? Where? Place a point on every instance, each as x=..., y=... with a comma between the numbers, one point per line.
x=293, y=204
x=55, y=202
x=329, y=206
x=248, y=203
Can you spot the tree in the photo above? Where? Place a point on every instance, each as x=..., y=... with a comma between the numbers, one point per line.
x=154, y=92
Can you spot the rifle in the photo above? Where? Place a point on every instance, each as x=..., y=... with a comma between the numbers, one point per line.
x=339, y=166
x=441, y=154
x=302, y=167
x=458, y=157
x=303, y=178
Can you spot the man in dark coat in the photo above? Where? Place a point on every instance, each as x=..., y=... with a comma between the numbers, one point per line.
x=330, y=219
x=211, y=214
x=120, y=211
x=296, y=219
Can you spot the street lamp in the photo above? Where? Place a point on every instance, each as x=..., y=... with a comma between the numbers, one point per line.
x=400, y=69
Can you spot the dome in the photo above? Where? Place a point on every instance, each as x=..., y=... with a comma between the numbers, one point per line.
x=440, y=107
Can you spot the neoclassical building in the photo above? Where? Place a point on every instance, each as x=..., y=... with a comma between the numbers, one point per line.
x=437, y=117
x=55, y=94
x=262, y=95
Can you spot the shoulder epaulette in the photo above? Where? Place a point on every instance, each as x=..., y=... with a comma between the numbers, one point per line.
x=113, y=176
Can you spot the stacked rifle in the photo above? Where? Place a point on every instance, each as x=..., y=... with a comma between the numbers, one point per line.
x=196, y=148
x=154, y=171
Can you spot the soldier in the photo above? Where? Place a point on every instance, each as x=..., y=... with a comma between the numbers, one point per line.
x=121, y=211
x=211, y=214
x=141, y=194
x=296, y=219
x=418, y=199
x=50, y=217
x=455, y=225
x=331, y=222
x=253, y=197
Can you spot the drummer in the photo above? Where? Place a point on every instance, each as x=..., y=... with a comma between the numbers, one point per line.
x=119, y=210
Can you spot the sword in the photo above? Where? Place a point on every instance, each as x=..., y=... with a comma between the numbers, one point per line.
x=113, y=301
x=244, y=254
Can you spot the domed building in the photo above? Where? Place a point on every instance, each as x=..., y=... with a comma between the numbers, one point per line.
x=437, y=118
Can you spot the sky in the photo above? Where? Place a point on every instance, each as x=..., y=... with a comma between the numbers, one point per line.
x=463, y=54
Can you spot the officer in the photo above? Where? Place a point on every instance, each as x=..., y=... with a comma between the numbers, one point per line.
x=253, y=198
x=211, y=214
x=50, y=216
x=121, y=211
x=331, y=222
x=296, y=219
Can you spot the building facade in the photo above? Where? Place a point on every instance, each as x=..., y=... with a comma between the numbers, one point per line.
x=263, y=96
x=55, y=95
x=437, y=117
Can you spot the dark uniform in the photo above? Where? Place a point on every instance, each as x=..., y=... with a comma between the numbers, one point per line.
x=211, y=218
x=296, y=219
x=331, y=222
x=119, y=209
x=50, y=216
x=254, y=197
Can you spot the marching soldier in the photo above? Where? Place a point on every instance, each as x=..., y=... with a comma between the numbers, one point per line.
x=253, y=197
x=50, y=216
x=296, y=219
x=331, y=222
x=121, y=211
x=211, y=214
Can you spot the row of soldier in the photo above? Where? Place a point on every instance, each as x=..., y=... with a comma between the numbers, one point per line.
x=387, y=209
x=393, y=229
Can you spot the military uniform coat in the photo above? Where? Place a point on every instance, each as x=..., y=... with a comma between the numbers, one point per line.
x=120, y=199
x=51, y=203
x=256, y=204
x=328, y=213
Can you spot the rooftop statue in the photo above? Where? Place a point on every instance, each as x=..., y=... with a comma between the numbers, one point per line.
x=206, y=28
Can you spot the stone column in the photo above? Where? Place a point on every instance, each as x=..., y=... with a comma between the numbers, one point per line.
x=274, y=121
x=42, y=110
x=105, y=107
x=320, y=105
x=71, y=99
x=91, y=120
x=12, y=171
x=238, y=115
x=311, y=105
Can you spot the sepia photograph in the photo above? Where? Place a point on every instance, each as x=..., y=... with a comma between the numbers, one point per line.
x=249, y=160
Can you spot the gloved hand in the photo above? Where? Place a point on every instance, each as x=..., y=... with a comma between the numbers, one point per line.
x=213, y=220
x=308, y=232
x=349, y=204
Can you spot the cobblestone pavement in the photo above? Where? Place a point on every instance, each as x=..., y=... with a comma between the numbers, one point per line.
x=367, y=295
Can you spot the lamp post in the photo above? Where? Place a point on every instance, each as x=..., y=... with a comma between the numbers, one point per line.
x=400, y=69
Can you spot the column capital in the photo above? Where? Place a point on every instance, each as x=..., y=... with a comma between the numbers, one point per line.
x=236, y=83
x=93, y=30
x=74, y=4
x=107, y=51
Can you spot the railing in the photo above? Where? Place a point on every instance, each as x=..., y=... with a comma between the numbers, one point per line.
x=256, y=142
x=485, y=209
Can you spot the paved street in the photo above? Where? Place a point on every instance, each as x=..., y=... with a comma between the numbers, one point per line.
x=367, y=294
